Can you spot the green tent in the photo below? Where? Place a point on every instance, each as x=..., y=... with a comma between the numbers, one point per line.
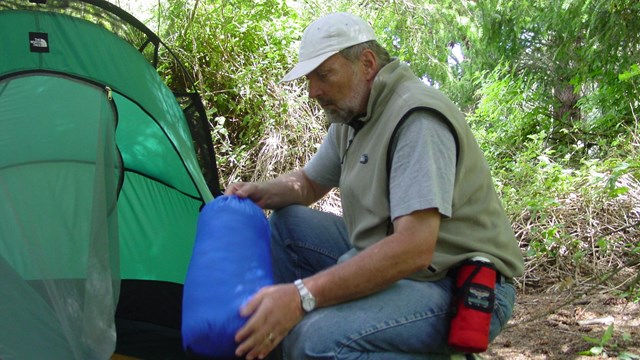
x=103, y=171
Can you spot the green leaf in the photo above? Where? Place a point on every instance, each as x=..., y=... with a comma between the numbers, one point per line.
x=594, y=351
x=608, y=334
x=591, y=340
x=633, y=72
x=628, y=356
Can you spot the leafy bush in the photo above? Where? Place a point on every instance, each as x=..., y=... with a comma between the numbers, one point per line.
x=550, y=90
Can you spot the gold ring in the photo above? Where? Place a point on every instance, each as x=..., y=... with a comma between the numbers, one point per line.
x=270, y=337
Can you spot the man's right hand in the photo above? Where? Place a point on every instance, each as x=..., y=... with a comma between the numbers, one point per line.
x=251, y=190
x=291, y=188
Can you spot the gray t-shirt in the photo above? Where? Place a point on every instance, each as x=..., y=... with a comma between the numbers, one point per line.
x=423, y=168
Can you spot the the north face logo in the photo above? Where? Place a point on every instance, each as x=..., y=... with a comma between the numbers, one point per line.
x=39, y=42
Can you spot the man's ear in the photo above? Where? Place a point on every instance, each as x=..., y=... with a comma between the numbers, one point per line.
x=369, y=63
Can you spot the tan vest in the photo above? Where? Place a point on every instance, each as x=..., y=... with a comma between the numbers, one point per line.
x=478, y=225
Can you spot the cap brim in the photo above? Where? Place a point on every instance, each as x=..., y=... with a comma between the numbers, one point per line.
x=307, y=66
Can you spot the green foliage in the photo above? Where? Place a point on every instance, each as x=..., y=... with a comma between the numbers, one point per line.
x=603, y=345
x=237, y=51
x=550, y=89
x=573, y=53
x=600, y=344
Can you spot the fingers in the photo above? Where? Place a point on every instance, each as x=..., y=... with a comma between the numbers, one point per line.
x=235, y=189
x=255, y=338
x=270, y=319
x=251, y=327
x=251, y=305
x=259, y=345
x=245, y=190
x=250, y=190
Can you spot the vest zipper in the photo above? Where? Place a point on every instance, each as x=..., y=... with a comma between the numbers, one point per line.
x=356, y=125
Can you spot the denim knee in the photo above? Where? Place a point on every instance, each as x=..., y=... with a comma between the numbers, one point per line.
x=305, y=241
x=505, y=300
x=281, y=216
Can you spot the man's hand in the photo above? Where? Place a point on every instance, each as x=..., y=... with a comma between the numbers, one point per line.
x=251, y=190
x=287, y=189
x=273, y=311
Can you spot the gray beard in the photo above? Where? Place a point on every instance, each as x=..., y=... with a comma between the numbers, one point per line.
x=338, y=117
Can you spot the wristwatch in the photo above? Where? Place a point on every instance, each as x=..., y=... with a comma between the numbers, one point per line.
x=307, y=300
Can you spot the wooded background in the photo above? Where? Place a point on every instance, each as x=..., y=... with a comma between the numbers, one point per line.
x=550, y=89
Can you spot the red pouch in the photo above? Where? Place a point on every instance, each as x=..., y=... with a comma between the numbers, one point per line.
x=474, y=300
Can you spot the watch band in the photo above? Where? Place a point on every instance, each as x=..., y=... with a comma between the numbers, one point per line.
x=306, y=298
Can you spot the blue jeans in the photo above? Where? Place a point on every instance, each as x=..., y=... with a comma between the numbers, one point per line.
x=409, y=320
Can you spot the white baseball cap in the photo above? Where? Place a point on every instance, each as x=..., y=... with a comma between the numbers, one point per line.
x=326, y=37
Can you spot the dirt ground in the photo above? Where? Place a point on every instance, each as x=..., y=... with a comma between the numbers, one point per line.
x=542, y=328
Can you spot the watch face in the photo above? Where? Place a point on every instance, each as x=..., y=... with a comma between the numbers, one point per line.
x=308, y=303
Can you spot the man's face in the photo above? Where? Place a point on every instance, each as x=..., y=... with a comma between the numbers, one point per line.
x=340, y=88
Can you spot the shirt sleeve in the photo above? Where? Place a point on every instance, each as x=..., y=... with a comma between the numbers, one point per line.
x=423, y=168
x=324, y=167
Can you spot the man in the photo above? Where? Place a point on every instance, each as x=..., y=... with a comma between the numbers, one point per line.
x=417, y=200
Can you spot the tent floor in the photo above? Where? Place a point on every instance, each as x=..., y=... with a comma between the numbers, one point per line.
x=117, y=356
x=148, y=341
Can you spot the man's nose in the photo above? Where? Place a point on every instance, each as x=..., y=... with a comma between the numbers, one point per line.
x=314, y=89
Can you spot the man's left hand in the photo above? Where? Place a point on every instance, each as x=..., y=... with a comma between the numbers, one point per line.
x=273, y=312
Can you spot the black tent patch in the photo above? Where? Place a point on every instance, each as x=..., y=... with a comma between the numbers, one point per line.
x=39, y=42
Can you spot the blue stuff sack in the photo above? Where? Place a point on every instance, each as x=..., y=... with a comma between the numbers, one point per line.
x=231, y=261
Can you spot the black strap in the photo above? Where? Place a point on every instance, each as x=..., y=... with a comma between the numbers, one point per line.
x=465, y=285
x=404, y=118
x=402, y=121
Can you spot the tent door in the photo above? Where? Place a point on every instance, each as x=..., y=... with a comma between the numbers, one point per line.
x=59, y=177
